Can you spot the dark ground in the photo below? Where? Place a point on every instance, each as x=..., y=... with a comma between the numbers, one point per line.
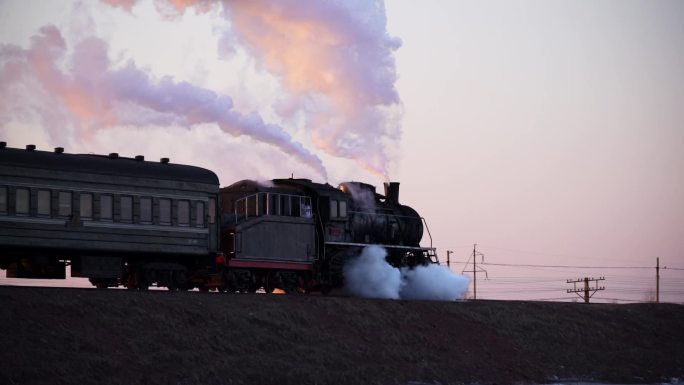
x=88, y=336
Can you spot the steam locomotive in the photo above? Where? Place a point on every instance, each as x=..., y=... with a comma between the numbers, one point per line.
x=135, y=223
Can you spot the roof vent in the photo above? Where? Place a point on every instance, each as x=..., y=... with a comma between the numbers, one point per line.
x=30, y=147
x=113, y=155
x=59, y=150
x=164, y=160
x=3, y=144
x=139, y=158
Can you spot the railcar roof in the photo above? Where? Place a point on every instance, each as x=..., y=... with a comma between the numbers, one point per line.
x=250, y=185
x=318, y=188
x=105, y=165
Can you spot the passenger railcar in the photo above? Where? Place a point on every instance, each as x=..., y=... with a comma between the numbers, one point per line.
x=115, y=220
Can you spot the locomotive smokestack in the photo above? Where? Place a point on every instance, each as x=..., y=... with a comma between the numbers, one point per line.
x=392, y=192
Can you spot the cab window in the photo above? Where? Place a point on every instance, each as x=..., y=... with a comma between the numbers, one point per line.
x=200, y=214
x=343, y=209
x=333, y=208
x=126, y=208
x=21, y=204
x=64, y=201
x=3, y=200
x=106, y=207
x=165, y=211
x=183, y=213
x=43, y=202
x=86, y=204
x=212, y=210
x=145, y=210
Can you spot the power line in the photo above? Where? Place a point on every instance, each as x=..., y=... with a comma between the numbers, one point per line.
x=568, y=267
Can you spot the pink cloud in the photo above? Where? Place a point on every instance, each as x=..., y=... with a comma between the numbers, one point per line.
x=96, y=96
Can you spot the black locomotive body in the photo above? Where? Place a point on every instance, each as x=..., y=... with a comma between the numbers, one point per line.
x=117, y=221
x=134, y=223
x=297, y=235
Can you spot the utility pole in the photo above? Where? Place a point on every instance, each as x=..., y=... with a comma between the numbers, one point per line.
x=586, y=289
x=658, y=280
x=449, y=259
x=476, y=268
x=474, y=271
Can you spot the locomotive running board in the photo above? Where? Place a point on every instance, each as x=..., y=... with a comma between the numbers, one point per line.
x=385, y=246
x=261, y=264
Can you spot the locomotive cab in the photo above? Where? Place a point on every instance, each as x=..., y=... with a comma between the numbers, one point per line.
x=268, y=235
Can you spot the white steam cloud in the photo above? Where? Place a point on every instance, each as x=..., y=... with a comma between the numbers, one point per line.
x=332, y=64
x=370, y=276
x=336, y=62
x=362, y=197
x=92, y=95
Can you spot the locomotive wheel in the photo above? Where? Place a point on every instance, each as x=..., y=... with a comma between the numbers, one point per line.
x=304, y=284
x=272, y=282
x=178, y=280
x=226, y=284
x=142, y=283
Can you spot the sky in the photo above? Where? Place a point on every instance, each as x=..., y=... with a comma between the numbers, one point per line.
x=549, y=133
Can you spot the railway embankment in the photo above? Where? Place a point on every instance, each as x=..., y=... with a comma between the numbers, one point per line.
x=89, y=336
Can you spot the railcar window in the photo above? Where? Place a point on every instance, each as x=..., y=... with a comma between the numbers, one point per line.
x=64, y=202
x=183, y=213
x=212, y=210
x=262, y=207
x=126, y=208
x=285, y=207
x=343, y=209
x=106, y=207
x=21, y=203
x=296, y=207
x=250, y=208
x=305, y=211
x=273, y=204
x=146, y=210
x=43, y=202
x=86, y=205
x=3, y=200
x=165, y=211
x=200, y=214
x=333, y=208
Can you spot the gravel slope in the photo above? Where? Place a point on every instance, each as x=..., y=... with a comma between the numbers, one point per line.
x=88, y=336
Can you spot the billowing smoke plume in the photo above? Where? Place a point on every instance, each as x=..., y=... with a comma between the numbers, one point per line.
x=370, y=276
x=92, y=95
x=363, y=198
x=336, y=59
x=336, y=64
x=433, y=282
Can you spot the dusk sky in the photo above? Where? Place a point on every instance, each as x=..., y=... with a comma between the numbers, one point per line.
x=547, y=132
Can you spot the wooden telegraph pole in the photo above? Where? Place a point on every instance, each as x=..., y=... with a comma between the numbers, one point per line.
x=658, y=280
x=586, y=289
x=476, y=268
